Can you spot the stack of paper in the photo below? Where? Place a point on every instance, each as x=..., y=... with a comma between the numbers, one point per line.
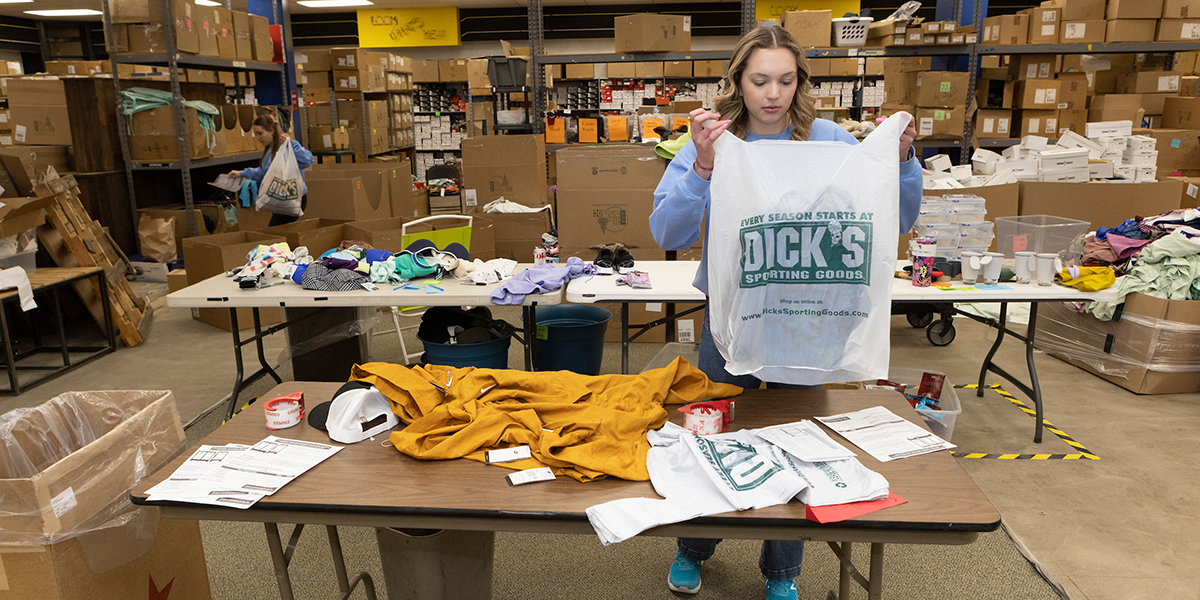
x=805, y=441
x=884, y=435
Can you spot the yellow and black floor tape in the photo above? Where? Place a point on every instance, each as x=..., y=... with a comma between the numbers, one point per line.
x=1083, y=454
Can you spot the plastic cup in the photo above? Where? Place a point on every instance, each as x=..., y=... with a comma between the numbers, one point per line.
x=1025, y=266
x=993, y=262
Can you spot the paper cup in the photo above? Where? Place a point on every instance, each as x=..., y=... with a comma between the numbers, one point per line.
x=991, y=270
x=1025, y=266
x=970, y=267
x=1046, y=270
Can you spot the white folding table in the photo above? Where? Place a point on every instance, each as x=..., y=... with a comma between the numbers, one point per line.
x=672, y=282
x=223, y=292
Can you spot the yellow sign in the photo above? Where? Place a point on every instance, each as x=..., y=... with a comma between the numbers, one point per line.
x=617, y=129
x=587, y=131
x=556, y=130
x=405, y=27
x=772, y=9
x=680, y=124
x=648, y=126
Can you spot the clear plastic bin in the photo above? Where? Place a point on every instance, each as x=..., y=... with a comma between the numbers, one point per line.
x=978, y=229
x=941, y=422
x=970, y=218
x=973, y=241
x=1038, y=233
x=938, y=230
x=970, y=204
x=672, y=350
x=978, y=249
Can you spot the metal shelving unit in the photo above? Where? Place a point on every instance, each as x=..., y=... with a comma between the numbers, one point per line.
x=174, y=61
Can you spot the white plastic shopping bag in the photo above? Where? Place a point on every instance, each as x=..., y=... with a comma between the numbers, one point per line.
x=801, y=255
x=283, y=186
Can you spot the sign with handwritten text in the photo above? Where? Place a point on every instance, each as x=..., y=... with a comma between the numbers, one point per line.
x=770, y=9
x=404, y=27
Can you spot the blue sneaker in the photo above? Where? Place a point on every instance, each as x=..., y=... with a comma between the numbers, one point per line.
x=781, y=590
x=685, y=574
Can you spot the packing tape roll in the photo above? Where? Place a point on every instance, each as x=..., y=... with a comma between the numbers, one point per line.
x=705, y=421
x=284, y=411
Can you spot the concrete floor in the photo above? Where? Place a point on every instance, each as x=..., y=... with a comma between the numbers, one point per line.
x=1110, y=529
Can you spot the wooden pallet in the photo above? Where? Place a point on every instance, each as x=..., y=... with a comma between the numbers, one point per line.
x=73, y=239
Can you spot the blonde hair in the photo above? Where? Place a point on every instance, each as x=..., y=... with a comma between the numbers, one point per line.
x=731, y=104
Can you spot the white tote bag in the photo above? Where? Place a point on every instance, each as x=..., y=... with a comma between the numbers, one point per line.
x=283, y=186
x=801, y=255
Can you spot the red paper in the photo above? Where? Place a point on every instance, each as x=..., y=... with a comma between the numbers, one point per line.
x=840, y=512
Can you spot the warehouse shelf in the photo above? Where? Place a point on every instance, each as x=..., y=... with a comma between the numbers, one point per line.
x=939, y=143
x=579, y=59
x=439, y=112
x=189, y=60
x=1107, y=48
x=198, y=163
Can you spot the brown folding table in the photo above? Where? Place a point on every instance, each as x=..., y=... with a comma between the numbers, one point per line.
x=370, y=485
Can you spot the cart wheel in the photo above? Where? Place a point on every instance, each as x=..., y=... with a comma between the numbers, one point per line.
x=940, y=333
x=920, y=320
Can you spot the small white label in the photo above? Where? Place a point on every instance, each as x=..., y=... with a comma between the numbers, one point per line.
x=241, y=64
x=1049, y=16
x=1091, y=80
x=1051, y=96
x=4, y=116
x=20, y=133
x=988, y=125
x=301, y=58
x=472, y=197
x=1062, y=106
x=530, y=476
x=1051, y=125
x=654, y=307
x=370, y=287
x=1031, y=71
x=920, y=77
x=1075, y=31
x=1002, y=126
x=6, y=140
x=1034, y=124
x=350, y=60
x=687, y=331
x=1044, y=70
x=1168, y=83
x=933, y=27
x=505, y=455
x=1190, y=31
x=328, y=139
x=71, y=69
x=353, y=81
x=63, y=502
x=926, y=126
x=687, y=23
x=1192, y=190
x=1048, y=30
x=1039, y=96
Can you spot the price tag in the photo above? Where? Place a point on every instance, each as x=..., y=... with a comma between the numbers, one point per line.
x=543, y=332
x=530, y=476
x=505, y=455
x=63, y=502
x=240, y=64
x=687, y=331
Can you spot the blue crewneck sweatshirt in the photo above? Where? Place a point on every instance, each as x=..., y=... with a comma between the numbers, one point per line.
x=681, y=201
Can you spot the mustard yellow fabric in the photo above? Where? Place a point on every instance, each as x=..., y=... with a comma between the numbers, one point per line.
x=585, y=427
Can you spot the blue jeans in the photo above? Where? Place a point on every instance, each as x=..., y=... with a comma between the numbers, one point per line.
x=780, y=559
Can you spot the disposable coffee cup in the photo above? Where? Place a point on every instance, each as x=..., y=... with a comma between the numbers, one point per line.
x=970, y=267
x=991, y=270
x=1025, y=266
x=1047, y=266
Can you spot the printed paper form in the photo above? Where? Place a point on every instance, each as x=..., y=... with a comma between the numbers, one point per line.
x=239, y=477
x=884, y=435
x=806, y=441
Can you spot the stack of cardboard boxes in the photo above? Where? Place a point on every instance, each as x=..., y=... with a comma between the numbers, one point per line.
x=400, y=90
x=199, y=29
x=345, y=76
x=938, y=99
x=1096, y=21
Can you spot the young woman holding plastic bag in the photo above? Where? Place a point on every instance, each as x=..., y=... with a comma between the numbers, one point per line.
x=767, y=96
x=268, y=133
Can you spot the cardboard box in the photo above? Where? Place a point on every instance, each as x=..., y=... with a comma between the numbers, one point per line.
x=243, y=36
x=652, y=33
x=206, y=30
x=907, y=64
x=1072, y=119
x=1043, y=25
x=206, y=213
x=1033, y=66
x=187, y=19
x=843, y=67
x=1072, y=91
x=1006, y=30
x=1134, y=9
x=994, y=93
x=369, y=78
x=1181, y=113
x=1115, y=107
x=648, y=70
x=1099, y=203
x=1181, y=9
x=606, y=195
x=207, y=256
x=993, y=123
x=39, y=112
x=176, y=280
x=1140, y=354
x=1079, y=10
x=512, y=166
x=119, y=548
x=327, y=138
x=222, y=29
x=1154, y=105
x=264, y=47
x=621, y=70
x=708, y=68
x=154, y=138
x=939, y=123
x=315, y=59
x=1130, y=30
x=677, y=68
x=425, y=71
x=1082, y=32
x=382, y=185
x=318, y=235
x=1040, y=94
x=452, y=69
x=1148, y=82
x=518, y=233
x=1178, y=149
x=21, y=214
x=811, y=28
x=1037, y=122
x=1178, y=30
x=940, y=89
x=580, y=71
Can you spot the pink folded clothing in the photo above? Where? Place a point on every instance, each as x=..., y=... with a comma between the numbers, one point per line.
x=1123, y=246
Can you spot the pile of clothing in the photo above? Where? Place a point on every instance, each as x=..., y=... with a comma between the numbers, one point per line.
x=1157, y=256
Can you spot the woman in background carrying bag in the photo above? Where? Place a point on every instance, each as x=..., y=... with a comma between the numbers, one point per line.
x=766, y=96
x=268, y=133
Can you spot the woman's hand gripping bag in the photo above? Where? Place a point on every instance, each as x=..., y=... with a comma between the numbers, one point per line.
x=282, y=188
x=801, y=255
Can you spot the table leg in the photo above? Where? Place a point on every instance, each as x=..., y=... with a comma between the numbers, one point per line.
x=875, y=589
x=281, y=562
x=262, y=354
x=529, y=329
x=1033, y=378
x=846, y=570
x=345, y=584
x=62, y=331
x=844, y=573
x=624, y=338
x=987, y=362
x=239, y=368
x=436, y=565
x=10, y=359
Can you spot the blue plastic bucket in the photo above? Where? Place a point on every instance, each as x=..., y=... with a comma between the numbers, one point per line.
x=571, y=338
x=485, y=355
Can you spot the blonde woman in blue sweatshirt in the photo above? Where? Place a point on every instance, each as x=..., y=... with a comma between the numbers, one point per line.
x=768, y=96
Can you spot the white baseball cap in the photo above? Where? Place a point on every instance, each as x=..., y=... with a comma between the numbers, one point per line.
x=359, y=413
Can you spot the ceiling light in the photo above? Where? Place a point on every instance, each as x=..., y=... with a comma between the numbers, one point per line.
x=334, y=3
x=200, y=2
x=66, y=12
x=14, y=1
